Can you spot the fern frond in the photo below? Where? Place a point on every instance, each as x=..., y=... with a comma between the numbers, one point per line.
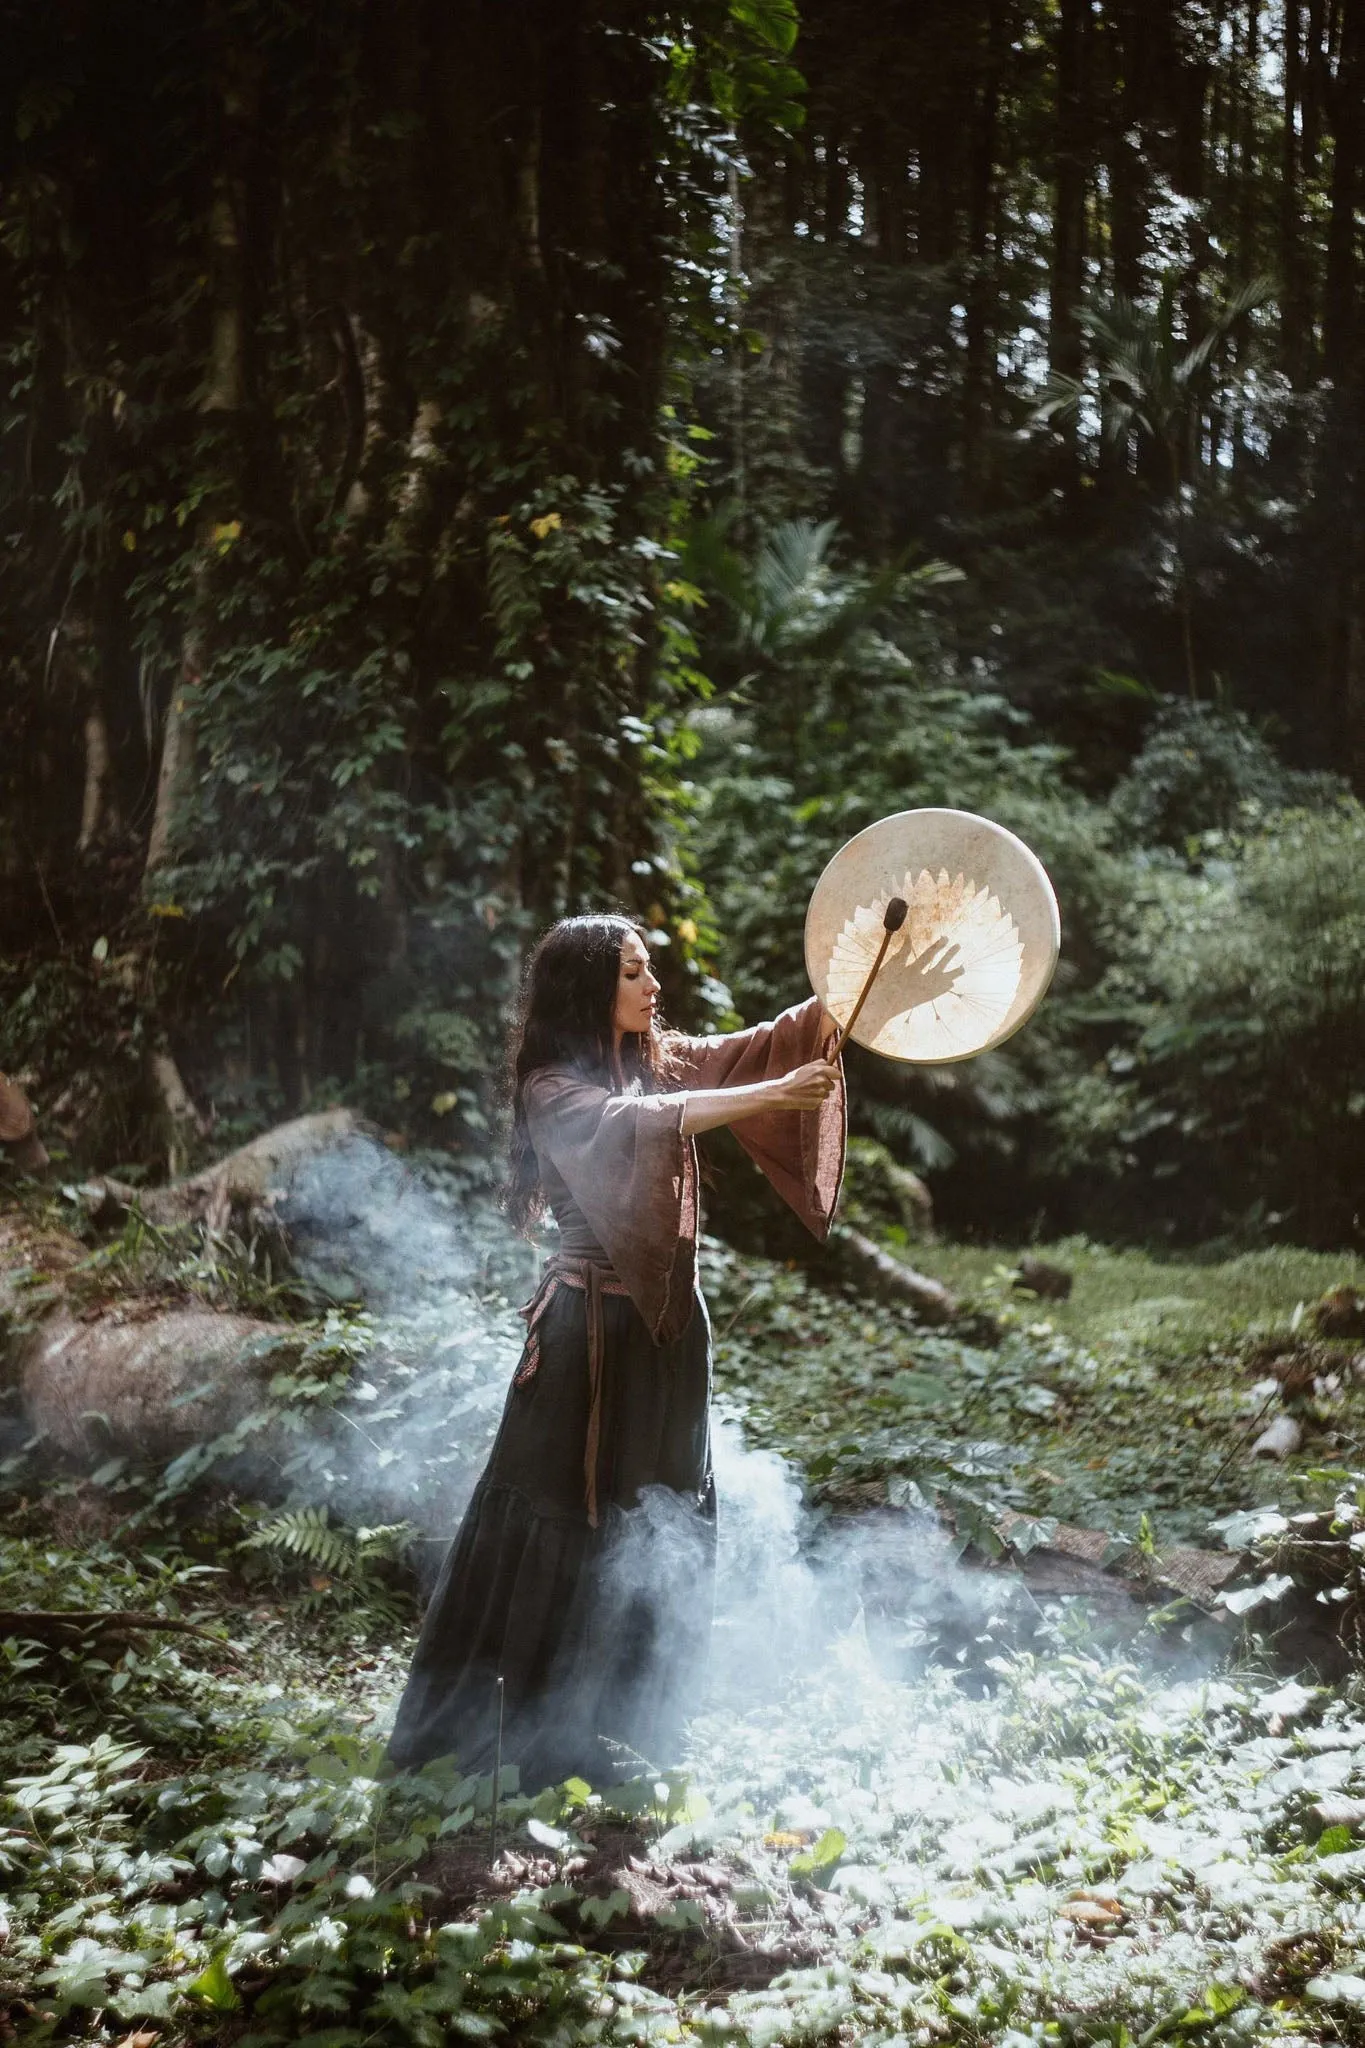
x=310, y=1535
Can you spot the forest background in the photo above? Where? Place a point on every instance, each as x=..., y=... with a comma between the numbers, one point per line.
x=465, y=464
x=465, y=461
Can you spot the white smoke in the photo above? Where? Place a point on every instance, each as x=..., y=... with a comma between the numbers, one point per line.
x=442, y=1277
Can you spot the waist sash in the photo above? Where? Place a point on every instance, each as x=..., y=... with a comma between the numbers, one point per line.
x=593, y=1281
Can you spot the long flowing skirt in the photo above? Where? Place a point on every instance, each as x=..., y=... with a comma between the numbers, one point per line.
x=599, y=1634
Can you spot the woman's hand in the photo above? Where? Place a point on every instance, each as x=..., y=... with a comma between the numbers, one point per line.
x=805, y=1087
x=707, y=1109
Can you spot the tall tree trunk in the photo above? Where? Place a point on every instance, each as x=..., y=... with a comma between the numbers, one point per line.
x=734, y=291
x=1341, y=283
x=1314, y=86
x=1127, y=165
x=1071, y=178
x=78, y=656
x=97, y=813
x=1343, y=485
x=1294, y=314
x=222, y=397
x=1249, y=82
x=979, y=380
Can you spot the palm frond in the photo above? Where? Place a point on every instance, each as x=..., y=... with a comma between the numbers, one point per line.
x=792, y=560
x=1061, y=400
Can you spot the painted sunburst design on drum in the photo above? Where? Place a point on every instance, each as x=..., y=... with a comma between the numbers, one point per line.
x=951, y=973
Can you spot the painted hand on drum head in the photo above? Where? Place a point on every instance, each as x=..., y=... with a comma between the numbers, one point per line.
x=925, y=977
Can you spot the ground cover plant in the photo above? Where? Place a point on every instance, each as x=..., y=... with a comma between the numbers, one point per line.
x=958, y=1812
x=1139, y=1396
x=1072, y=1848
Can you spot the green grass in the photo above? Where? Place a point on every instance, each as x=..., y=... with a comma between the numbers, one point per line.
x=1125, y=1298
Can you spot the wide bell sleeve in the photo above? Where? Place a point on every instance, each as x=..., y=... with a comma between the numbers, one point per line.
x=633, y=1174
x=801, y=1152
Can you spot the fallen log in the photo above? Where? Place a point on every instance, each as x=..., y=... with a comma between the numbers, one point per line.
x=239, y=1187
x=858, y=1259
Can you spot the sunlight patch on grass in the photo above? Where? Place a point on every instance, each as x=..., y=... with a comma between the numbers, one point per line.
x=1120, y=1296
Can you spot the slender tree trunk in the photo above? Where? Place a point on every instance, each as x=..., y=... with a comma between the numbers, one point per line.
x=979, y=379
x=734, y=289
x=1353, y=680
x=1314, y=86
x=1294, y=317
x=1071, y=177
x=96, y=810
x=222, y=397
x=1184, y=590
x=1341, y=283
x=1127, y=167
x=1343, y=484
x=1248, y=240
x=78, y=657
x=177, y=749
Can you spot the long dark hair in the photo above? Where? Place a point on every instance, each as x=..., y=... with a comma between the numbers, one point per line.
x=568, y=999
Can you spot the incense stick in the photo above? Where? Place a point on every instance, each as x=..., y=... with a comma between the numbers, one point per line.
x=497, y=1782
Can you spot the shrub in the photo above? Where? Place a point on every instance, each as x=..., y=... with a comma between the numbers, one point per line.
x=1200, y=769
x=1243, y=1060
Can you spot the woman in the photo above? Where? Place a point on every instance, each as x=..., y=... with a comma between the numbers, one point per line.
x=582, y=1572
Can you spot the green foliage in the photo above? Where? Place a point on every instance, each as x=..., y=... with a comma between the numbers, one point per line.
x=259, y=1870
x=740, y=47
x=1155, y=382
x=1205, y=1021
x=350, y=1566
x=144, y=1262
x=79, y=1030
x=1206, y=768
x=1239, y=1077
x=200, y=1831
x=1130, y=1400
x=842, y=723
x=346, y=593
x=847, y=705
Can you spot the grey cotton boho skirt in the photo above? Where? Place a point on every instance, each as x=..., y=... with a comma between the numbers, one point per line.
x=599, y=1633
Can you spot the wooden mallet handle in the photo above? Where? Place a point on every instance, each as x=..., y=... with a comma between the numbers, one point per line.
x=897, y=910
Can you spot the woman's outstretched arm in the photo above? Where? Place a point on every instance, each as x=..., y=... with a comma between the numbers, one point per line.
x=806, y=1087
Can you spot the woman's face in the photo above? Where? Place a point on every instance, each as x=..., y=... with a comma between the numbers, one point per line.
x=636, y=987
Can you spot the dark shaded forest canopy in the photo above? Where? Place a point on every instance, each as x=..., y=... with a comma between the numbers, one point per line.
x=463, y=463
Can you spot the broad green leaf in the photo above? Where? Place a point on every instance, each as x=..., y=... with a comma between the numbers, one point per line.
x=214, y=1986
